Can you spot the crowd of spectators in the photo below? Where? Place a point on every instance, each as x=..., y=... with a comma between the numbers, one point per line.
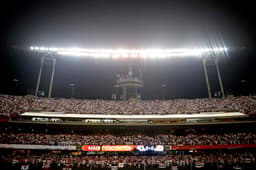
x=167, y=139
x=19, y=104
x=217, y=160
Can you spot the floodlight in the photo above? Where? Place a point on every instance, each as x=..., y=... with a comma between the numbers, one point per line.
x=133, y=53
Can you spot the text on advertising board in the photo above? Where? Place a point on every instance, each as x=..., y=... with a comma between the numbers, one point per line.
x=91, y=148
x=118, y=148
x=155, y=148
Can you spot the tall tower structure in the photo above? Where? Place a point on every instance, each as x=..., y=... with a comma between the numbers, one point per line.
x=129, y=85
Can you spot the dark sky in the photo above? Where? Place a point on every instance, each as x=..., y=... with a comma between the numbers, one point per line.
x=127, y=24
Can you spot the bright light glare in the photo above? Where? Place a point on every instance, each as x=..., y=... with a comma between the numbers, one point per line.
x=134, y=53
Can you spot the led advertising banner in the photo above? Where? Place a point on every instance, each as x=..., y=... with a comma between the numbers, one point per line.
x=91, y=148
x=109, y=148
x=123, y=148
x=118, y=148
x=228, y=146
x=38, y=147
x=150, y=148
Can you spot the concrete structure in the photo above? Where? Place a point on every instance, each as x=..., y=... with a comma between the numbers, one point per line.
x=129, y=85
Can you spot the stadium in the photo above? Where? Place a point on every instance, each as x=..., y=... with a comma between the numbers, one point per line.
x=111, y=85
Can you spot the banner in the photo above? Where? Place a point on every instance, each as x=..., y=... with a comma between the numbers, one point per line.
x=4, y=119
x=108, y=148
x=153, y=148
x=118, y=148
x=91, y=148
x=229, y=146
x=41, y=147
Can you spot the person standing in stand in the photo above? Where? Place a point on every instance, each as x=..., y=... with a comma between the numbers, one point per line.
x=25, y=165
x=46, y=165
x=67, y=165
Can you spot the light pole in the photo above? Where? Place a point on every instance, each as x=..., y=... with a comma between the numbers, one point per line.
x=206, y=78
x=219, y=77
x=16, y=81
x=243, y=87
x=72, y=85
x=163, y=91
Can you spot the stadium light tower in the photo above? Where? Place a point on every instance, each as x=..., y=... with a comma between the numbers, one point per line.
x=46, y=57
x=213, y=60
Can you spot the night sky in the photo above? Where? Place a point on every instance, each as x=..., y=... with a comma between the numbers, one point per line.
x=127, y=24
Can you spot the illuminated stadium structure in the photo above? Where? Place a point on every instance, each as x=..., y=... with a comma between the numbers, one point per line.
x=206, y=54
x=128, y=85
x=132, y=53
x=208, y=133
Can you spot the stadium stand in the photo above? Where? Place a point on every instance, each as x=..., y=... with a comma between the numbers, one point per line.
x=20, y=104
x=207, y=160
x=33, y=146
x=163, y=139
